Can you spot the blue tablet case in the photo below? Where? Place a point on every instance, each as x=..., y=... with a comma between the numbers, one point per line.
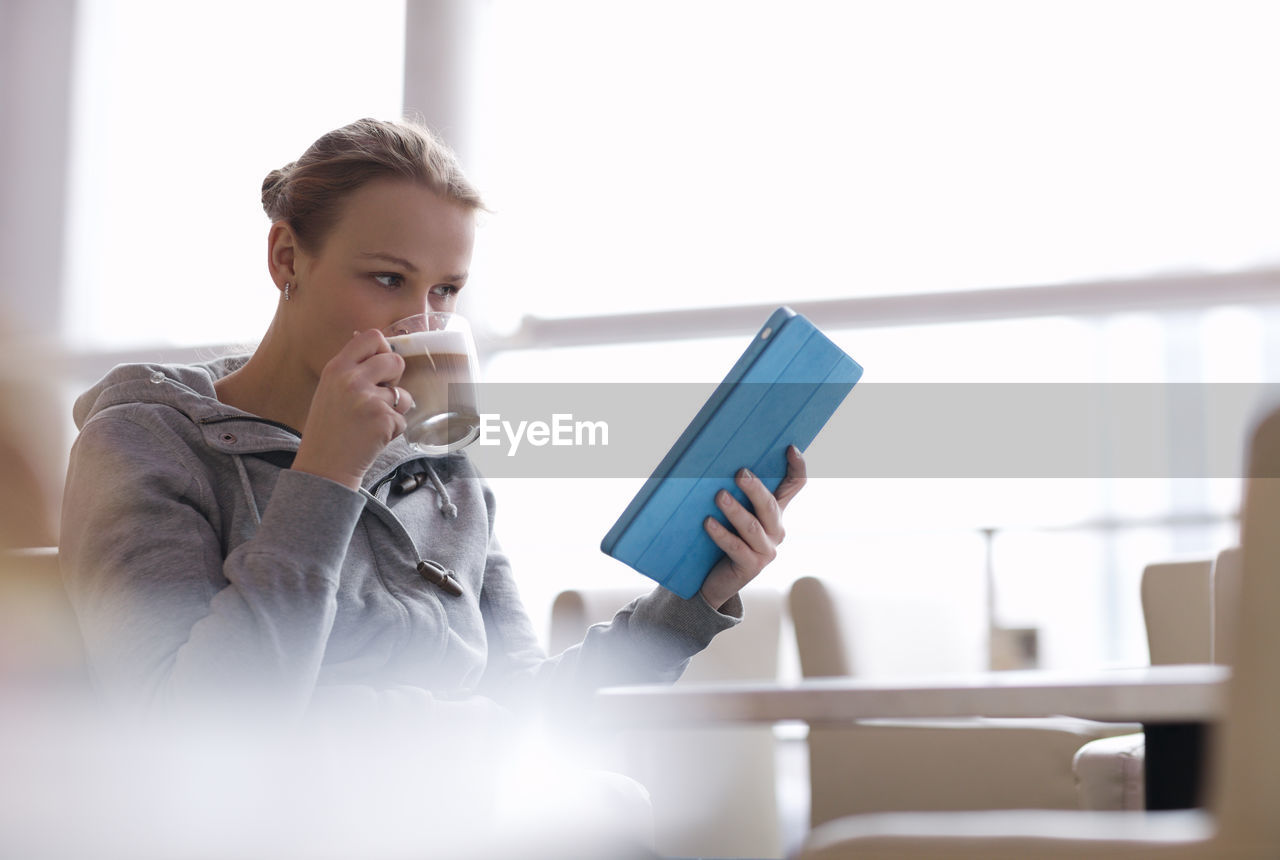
x=781, y=392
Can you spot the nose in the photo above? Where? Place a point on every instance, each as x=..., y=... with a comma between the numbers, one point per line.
x=404, y=325
x=412, y=319
x=415, y=307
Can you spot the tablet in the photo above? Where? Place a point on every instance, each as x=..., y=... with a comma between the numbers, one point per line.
x=781, y=392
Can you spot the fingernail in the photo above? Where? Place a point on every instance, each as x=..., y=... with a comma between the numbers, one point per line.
x=722, y=498
x=744, y=475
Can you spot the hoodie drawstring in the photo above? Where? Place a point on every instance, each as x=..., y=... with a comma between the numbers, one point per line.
x=447, y=508
x=411, y=482
x=446, y=505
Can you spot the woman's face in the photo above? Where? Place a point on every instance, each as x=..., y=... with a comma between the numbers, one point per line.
x=398, y=249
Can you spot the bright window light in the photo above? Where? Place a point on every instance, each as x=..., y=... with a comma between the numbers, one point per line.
x=180, y=111
x=682, y=154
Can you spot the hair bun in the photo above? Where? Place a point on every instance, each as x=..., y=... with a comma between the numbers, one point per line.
x=309, y=193
x=273, y=188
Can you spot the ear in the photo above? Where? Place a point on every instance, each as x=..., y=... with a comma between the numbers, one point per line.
x=282, y=252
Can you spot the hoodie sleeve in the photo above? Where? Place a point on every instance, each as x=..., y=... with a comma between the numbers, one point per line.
x=167, y=621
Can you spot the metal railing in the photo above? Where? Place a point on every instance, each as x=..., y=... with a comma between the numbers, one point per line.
x=1253, y=287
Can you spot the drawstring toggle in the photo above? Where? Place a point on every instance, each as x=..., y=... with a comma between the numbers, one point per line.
x=437, y=574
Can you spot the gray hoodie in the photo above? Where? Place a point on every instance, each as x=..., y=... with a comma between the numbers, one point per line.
x=201, y=565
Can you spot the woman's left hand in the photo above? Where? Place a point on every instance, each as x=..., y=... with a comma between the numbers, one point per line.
x=758, y=534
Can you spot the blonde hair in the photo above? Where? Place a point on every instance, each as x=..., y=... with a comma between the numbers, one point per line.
x=309, y=193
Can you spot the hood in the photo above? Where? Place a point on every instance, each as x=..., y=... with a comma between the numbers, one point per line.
x=187, y=388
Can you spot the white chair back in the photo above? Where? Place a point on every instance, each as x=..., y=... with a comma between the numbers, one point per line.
x=1247, y=759
x=748, y=652
x=842, y=631
x=1227, y=570
x=822, y=640
x=1176, y=600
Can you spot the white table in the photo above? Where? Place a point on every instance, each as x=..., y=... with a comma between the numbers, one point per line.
x=1159, y=694
x=1175, y=704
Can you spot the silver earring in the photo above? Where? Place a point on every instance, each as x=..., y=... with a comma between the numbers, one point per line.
x=286, y=291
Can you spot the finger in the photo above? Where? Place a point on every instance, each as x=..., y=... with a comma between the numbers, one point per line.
x=400, y=425
x=401, y=400
x=748, y=527
x=732, y=545
x=763, y=503
x=394, y=400
x=797, y=477
x=364, y=344
x=383, y=368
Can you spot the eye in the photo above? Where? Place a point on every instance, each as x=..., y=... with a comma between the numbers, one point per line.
x=445, y=291
x=390, y=280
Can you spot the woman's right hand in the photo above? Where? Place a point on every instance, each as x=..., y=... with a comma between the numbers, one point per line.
x=354, y=413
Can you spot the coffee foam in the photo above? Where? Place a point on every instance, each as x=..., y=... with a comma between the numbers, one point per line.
x=429, y=343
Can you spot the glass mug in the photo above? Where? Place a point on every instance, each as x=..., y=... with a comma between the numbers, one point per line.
x=440, y=372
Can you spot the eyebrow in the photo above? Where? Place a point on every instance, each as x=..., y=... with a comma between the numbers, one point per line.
x=404, y=264
x=390, y=258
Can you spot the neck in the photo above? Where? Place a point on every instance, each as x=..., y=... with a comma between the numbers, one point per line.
x=270, y=384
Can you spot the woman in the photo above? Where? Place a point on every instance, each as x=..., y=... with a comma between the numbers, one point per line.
x=232, y=528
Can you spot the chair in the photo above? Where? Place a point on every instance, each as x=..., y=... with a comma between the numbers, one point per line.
x=1227, y=570
x=895, y=765
x=1240, y=819
x=1177, y=610
x=713, y=790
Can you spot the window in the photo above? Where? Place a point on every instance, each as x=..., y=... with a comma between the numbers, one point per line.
x=180, y=110
x=673, y=155
x=680, y=154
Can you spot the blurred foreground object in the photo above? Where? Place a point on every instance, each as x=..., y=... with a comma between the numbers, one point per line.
x=28, y=416
x=39, y=640
x=713, y=789
x=40, y=645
